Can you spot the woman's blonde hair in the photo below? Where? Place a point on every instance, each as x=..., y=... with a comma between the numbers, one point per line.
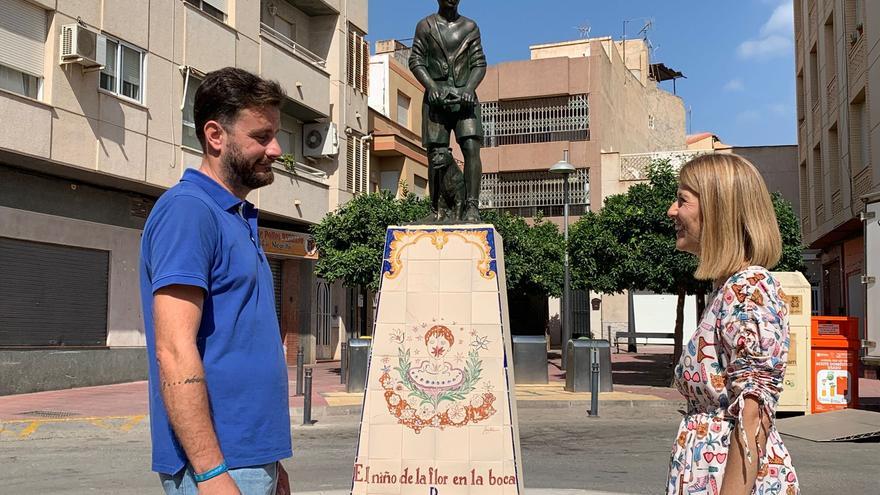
x=736, y=214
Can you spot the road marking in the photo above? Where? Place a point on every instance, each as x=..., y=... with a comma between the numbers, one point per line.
x=30, y=426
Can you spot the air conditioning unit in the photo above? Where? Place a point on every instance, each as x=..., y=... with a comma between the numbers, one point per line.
x=80, y=45
x=320, y=139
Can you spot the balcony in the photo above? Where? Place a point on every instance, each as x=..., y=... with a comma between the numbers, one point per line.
x=856, y=63
x=299, y=191
x=634, y=167
x=831, y=98
x=317, y=7
x=539, y=120
x=300, y=72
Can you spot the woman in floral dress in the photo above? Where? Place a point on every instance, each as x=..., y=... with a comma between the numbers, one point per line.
x=731, y=371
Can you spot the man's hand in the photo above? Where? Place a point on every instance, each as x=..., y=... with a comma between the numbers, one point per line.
x=219, y=485
x=468, y=98
x=283, y=486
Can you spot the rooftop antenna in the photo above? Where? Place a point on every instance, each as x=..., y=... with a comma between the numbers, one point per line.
x=584, y=30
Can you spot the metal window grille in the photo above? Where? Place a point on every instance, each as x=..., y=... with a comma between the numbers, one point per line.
x=539, y=120
x=526, y=193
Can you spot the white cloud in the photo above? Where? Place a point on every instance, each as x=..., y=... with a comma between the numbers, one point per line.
x=735, y=85
x=781, y=21
x=776, y=36
x=769, y=47
x=779, y=109
x=748, y=116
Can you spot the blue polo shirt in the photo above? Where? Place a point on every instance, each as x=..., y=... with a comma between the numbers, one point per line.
x=200, y=234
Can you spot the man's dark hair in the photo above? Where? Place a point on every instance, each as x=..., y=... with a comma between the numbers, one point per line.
x=227, y=91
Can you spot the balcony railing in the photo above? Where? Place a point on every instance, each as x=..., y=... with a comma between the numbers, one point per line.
x=292, y=46
x=540, y=120
x=831, y=98
x=540, y=190
x=635, y=166
x=302, y=170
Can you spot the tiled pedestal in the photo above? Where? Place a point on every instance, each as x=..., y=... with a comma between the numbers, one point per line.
x=439, y=413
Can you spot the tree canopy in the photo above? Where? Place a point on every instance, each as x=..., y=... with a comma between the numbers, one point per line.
x=350, y=242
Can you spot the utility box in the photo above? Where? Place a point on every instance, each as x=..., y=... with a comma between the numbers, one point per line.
x=796, y=383
x=580, y=365
x=530, y=359
x=357, y=365
x=835, y=357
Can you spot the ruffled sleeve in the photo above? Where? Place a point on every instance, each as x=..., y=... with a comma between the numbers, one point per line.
x=754, y=332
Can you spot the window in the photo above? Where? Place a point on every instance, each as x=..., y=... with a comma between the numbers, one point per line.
x=214, y=8
x=358, y=60
x=650, y=122
x=859, y=138
x=403, y=109
x=189, y=139
x=525, y=193
x=814, y=77
x=123, y=71
x=420, y=186
x=285, y=27
x=290, y=135
x=356, y=165
x=22, y=43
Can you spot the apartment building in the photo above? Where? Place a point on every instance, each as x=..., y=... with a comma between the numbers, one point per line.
x=399, y=162
x=96, y=104
x=598, y=99
x=838, y=111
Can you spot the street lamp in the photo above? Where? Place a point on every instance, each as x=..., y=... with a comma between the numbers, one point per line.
x=565, y=169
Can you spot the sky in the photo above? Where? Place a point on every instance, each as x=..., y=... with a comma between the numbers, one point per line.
x=737, y=55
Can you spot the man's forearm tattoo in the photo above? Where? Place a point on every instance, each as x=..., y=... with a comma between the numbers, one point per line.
x=192, y=379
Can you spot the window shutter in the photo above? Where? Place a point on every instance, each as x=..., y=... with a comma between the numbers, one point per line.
x=217, y=4
x=349, y=164
x=365, y=61
x=131, y=66
x=351, y=56
x=22, y=36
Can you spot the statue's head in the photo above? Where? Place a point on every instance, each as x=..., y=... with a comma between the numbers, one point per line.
x=449, y=4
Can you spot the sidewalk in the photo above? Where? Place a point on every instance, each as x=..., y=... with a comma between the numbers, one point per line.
x=639, y=378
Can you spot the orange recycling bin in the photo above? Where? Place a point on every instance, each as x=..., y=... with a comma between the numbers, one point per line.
x=835, y=349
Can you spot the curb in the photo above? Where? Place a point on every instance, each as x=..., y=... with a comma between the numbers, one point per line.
x=529, y=491
x=322, y=411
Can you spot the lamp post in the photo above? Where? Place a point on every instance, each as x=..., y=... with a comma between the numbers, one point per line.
x=565, y=169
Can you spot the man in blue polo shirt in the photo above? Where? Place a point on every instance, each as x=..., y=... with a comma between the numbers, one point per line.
x=218, y=378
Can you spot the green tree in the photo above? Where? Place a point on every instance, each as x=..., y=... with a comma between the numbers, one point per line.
x=350, y=240
x=630, y=245
x=533, y=254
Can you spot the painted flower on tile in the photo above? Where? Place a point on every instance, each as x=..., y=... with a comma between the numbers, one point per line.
x=441, y=387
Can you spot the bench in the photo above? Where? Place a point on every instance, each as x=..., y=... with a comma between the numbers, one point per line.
x=645, y=335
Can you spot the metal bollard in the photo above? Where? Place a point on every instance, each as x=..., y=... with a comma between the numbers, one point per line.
x=299, y=371
x=307, y=401
x=594, y=382
x=343, y=363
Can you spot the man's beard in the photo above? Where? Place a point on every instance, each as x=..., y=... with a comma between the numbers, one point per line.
x=243, y=174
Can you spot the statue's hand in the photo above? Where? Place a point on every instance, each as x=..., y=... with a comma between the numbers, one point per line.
x=435, y=98
x=468, y=98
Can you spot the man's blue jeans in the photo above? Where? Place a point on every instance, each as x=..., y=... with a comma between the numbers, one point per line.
x=254, y=480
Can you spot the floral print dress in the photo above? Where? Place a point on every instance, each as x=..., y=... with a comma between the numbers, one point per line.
x=739, y=350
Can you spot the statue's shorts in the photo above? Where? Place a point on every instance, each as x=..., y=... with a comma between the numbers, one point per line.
x=437, y=124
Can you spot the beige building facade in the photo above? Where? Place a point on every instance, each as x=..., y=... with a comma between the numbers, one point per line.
x=838, y=112
x=96, y=102
x=398, y=161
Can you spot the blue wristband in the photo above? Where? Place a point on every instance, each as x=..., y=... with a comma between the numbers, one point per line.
x=211, y=473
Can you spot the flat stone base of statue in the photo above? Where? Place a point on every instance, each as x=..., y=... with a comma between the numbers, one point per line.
x=439, y=413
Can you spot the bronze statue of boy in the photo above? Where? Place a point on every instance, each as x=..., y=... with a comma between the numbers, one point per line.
x=448, y=59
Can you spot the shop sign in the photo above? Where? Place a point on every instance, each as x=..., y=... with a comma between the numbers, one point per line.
x=285, y=243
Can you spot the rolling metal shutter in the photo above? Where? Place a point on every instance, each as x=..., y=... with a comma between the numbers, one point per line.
x=23, y=36
x=52, y=295
x=275, y=265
